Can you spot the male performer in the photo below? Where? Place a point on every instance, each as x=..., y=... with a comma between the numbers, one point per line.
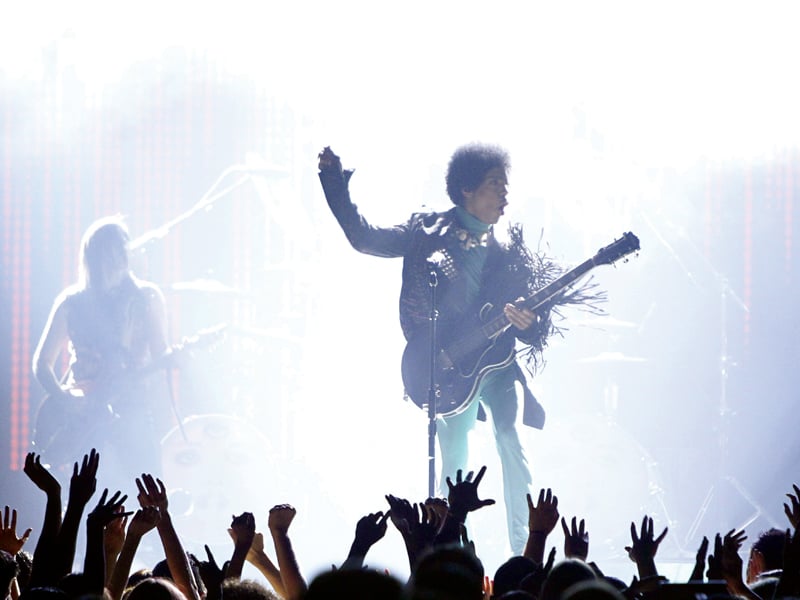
x=473, y=268
x=112, y=325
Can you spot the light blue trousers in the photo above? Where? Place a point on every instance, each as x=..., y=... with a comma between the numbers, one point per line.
x=498, y=394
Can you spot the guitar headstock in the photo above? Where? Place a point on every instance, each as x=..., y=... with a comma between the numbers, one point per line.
x=627, y=244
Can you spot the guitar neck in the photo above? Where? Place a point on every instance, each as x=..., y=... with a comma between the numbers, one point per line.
x=500, y=323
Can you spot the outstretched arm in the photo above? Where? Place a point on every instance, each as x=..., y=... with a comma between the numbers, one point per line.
x=280, y=517
x=244, y=530
x=106, y=511
x=369, y=530
x=8, y=532
x=644, y=546
x=462, y=499
x=44, y=553
x=152, y=492
x=82, y=486
x=364, y=237
x=732, y=565
x=576, y=539
x=542, y=519
x=144, y=520
x=259, y=559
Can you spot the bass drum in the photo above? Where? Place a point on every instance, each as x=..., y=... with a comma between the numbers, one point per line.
x=214, y=466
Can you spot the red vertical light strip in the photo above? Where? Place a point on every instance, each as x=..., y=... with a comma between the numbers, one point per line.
x=748, y=249
x=788, y=210
x=6, y=199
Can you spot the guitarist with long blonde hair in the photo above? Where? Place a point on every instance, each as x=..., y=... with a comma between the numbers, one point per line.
x=109, y=324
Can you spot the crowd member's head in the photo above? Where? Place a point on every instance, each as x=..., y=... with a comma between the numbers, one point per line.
x=592, y=589
x=766, y=554
x=510, y=574
x=564, y=575
x=446, y=573
x=8, y=570
x=154, y=588
x=246, y=589
x=351, y=583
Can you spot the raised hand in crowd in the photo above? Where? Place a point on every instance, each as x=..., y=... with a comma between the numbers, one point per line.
x=113, y=540
x=418, y=525
x=699, y=562
x=106, y=512
x=242, y=530
x=153, y=492
x=793, y=511
x=715, y=572
x=462, y=499
x=212, y=574
x=643, y=548
x=143, y=520
x=280, y=517
x=731, y=565
x=82, y=486
x=576, y=539
x=8, y=532
x=46, y=545
x=542, y=519
x=789, y=581
x=370, y=529
x=462, y=496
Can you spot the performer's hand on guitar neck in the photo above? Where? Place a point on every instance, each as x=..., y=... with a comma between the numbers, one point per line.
x=521, y=318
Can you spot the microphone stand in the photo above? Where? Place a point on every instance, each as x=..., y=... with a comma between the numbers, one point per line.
x=205, y=203
x=433, y=282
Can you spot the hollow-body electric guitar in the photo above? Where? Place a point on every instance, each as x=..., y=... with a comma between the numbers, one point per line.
x=479, y=345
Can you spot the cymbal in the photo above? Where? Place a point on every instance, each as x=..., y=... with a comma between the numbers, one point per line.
x=612, y=357
x=207, y=286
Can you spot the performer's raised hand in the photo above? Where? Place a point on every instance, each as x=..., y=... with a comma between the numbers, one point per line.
x=328, y=161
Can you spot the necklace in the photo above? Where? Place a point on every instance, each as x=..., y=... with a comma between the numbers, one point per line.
x=470, y=240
